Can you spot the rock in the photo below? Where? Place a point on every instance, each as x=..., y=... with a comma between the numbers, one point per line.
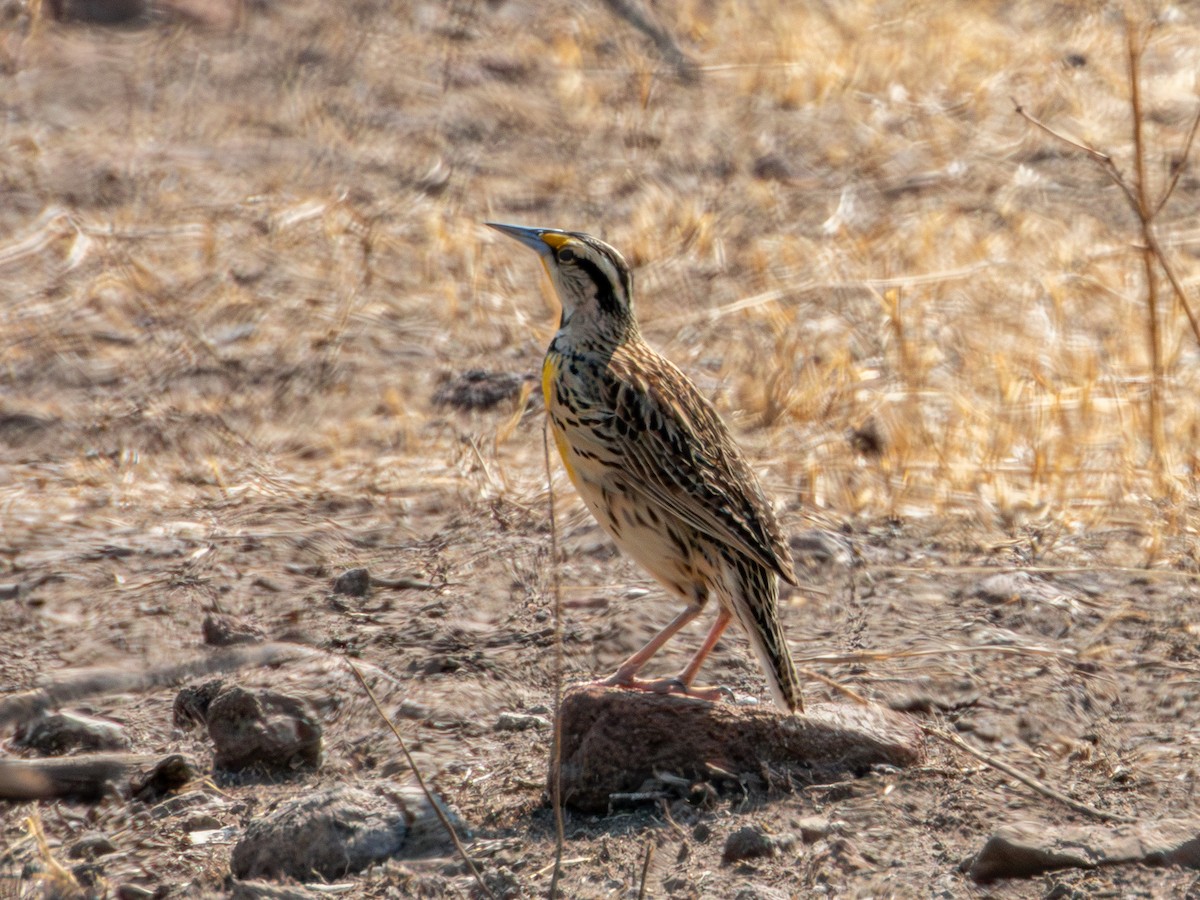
x=264, y=730
x=772, y=167
x=615, y=742
x=339, y=831
x=353, y=583
x=92, y=845
x=813, y=828
x=201, y=822
x=192, y=703
x=753, y=842
x=520, y=722
x=477, y=389
x=226, y=631
x=58, y=734
x=1026, y=849
x=169, y=774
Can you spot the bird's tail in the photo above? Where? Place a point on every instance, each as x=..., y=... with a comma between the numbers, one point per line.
x=755, y=597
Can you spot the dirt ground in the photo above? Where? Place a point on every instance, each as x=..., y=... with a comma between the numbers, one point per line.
x=242, y=269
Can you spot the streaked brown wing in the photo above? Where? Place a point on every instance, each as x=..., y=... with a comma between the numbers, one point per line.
x=674, y=444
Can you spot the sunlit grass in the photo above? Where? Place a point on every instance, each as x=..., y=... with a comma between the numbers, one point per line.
x=282, y=240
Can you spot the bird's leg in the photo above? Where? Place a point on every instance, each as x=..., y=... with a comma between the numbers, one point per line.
x=688, y=675
x=626, y=674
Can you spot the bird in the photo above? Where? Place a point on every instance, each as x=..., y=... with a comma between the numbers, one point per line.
x=656, y=466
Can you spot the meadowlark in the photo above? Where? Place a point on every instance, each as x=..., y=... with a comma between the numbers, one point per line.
x=656, y=466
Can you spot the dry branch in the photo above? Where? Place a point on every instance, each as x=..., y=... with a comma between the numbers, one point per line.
x=1026, y=779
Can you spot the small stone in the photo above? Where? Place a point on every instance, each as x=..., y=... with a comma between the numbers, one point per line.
x=226, y=631
x=772, y=167
x=813, y=828
x=1016, y=587
x=265, y=730
x=97, y=12
x=134, y=892
x=264, y=890
x=520, y=722
x=353, y=583
x=191, y=703
x=753, y=842
x=169, y=774
x=201, y=822
x=92, y=845
x=58, y=734
x=477, y=389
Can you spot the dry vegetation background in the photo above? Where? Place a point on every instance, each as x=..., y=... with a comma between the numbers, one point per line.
x=238, y=258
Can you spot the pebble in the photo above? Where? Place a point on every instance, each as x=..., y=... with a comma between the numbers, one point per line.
x=520, y=722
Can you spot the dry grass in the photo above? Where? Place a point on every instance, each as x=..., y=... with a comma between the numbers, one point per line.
x=843, y=227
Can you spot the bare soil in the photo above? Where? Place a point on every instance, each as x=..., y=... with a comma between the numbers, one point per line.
x=241, y=255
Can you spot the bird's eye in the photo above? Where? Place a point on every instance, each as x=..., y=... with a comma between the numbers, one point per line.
x=566, y=255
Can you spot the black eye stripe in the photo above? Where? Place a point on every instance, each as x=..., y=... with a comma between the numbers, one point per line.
x=605, y=296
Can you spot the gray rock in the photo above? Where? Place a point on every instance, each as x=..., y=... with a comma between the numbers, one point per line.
x=1026, y=849
x=57, y=734
x=813, y=828
x=753, y=842
x=340, y=831
x=92, y=845
x=520, y=722
x=265, y=730
x=264, y=890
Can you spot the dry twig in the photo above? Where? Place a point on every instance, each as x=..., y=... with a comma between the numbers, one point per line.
x=1029, y=781
x=412, y=764
x=556, y=749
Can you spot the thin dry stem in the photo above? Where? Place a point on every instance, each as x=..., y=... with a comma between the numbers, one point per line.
x=556, y=749
x=412, y=764
x=646, y=869
x=1145, y=212
x=1026, y=779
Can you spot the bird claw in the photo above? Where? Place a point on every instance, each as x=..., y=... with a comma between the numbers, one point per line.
x=671, y=686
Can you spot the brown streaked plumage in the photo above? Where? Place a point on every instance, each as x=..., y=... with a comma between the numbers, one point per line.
x=657, y=467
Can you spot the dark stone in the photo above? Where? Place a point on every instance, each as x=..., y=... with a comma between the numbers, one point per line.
x=353, y=583
x=92, y=845
x=752, y=842
x=264, y=730
x=477, y=389
x=226, y=631
x=191, y=703
x=169, y=774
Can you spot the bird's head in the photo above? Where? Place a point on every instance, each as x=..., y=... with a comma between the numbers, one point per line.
x=592, y=279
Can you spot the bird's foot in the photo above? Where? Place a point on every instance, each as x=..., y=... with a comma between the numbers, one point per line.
x=674, y=686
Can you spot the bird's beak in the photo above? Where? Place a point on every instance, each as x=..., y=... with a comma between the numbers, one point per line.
x=533, y=238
